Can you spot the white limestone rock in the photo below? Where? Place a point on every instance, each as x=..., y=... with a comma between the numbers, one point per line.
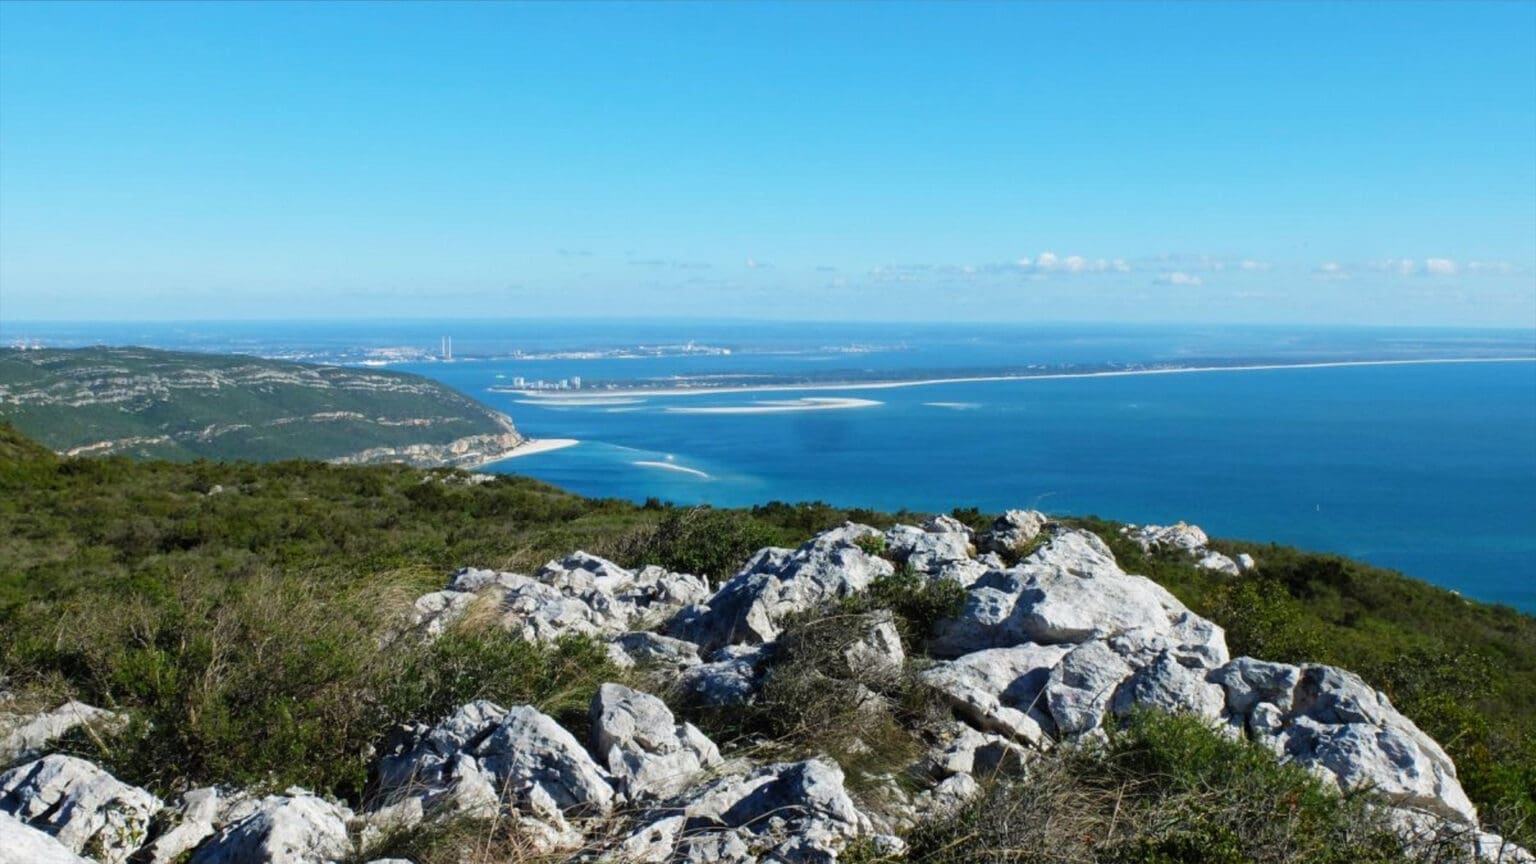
x=777, y=583
x=84, y=807
x=433, y=613
x=1186, y=538
x=1012, y=532
x=1168, y=685
x=20, y=843
x=1068, y=591
x=730, y=678
x=1249, y=682
x=580, y=594
x=1212, y=560
x=946, y=797
x=783, y=812
x=648, y=753
x=999, y=689
x=925, y=551
x=294, y=828
x=26, y=736
x=483, y=756
x=653, y=649
x=471, y=580
x=530, y=754
x=877, y=653
x=979, y=754
x=191, y=820
x=943, y=523
x=1345, y=730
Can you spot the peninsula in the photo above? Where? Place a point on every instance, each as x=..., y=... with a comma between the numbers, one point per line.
x=181, y=406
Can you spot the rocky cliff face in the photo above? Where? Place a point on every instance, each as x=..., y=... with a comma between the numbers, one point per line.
x=1047, y=652
x=141, y=402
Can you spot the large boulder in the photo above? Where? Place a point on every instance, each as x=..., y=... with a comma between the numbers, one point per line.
x=647, y=752
x=777, y=583
x=533, y=757
x=88, y=810
x=293, y=828
x=1068, y=591
x=784, y=812
x=1347, y=732
x=26, y=736
x=1342, y=727
x=483, y=756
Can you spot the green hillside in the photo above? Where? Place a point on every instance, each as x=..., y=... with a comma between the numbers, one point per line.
x=168, y=405
x=238, y=611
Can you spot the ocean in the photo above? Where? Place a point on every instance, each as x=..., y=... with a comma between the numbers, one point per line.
x=1428, y=468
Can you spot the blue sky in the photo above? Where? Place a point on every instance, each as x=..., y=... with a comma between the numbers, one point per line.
x=1247, y=162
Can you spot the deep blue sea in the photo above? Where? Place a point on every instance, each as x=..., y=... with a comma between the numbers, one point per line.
x=1429, y=469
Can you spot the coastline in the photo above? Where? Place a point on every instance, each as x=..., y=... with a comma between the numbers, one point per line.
x=528, y=447
x=573, y=396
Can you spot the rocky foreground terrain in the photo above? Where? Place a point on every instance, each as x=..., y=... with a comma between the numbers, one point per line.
x=1054, y=645
x=169, y=405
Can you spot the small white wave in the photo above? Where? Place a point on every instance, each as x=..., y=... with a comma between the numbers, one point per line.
x=669, y=466
x=954, y=406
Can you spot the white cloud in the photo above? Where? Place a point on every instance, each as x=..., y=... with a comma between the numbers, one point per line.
x=1440, y=266
x=1492, y=268
x=1178, y=277
x=1050, y=262
x=1330, y=270
x=1251, y=265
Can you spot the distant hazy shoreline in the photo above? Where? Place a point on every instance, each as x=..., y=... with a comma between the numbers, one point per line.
x=610, y=392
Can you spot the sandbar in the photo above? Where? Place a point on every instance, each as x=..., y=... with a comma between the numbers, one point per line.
x=1045, y=376
x=823, y=403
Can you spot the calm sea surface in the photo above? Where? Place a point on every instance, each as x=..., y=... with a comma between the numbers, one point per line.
x=1430, y=469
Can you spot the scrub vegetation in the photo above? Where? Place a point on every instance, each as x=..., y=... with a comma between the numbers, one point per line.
x=245, y=615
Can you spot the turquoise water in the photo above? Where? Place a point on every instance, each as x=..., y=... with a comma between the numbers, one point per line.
x=1430, y=469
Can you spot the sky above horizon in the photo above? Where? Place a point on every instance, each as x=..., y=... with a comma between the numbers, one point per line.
x=1244, y=162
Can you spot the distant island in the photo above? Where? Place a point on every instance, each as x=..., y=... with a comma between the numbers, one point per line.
x=182, y=406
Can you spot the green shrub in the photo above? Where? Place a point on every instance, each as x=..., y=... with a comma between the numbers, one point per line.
x=705, y=541
x=1164, y=789
x=918, y=603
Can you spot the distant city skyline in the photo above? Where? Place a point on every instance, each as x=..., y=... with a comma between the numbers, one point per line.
x=1132, y=162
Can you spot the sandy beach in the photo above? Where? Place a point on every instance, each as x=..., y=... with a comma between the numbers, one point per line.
x=570, y=396
x=533, y=446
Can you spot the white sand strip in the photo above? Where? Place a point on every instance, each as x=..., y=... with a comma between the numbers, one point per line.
x=779, y=407
x=538, y=445
x=926, y=382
